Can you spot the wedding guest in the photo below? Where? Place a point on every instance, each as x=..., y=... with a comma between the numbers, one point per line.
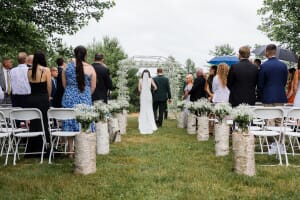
x=19, y=82
x=208, y=87
x=198, y=89
x=186, y=96
x=54, y=74
x=104, y=82
x=272, y=79
x=5, y=82
x=219, y=86
x=257, y=62
x=242, y=80
x=29, y=60
x=297, y=85
x=291, y=92
x=56, y=102
x=79, y=81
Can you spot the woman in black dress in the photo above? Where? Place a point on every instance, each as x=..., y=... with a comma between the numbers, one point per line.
x=39, y=77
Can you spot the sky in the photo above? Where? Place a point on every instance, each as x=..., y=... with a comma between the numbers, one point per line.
x=181, y=28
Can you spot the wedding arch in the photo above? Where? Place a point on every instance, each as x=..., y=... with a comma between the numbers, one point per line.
x=171, y=69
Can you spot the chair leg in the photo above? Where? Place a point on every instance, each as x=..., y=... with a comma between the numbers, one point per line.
x=43, y=148
x=51, y=151
x=292, y=146
x=8, y=150
x=261, y=145
x=2, y=146
x=16, y=151
x=278, y=151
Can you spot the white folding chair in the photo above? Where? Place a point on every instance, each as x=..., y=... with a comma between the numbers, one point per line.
x=59, y=114
x=25, y=114
x=5, y=137
x=269, y=113
x=293, y=136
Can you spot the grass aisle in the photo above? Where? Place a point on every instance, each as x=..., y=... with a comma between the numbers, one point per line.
x=166, y=165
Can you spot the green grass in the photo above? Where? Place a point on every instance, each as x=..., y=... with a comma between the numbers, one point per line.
x=170, y=164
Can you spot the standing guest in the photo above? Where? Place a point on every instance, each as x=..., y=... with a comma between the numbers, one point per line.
x=19, y=82
x=198, y=89
x=272, y=79
x=242, y=80
x=5, y=80
x=219, y=86
x=54, y=74
x=186, y=96
x=291, y=91
x=56, y=102
x=29, y=60
x=104, y=83
x=297, y=85
x=161, y=96
x=79, y=81
x=39, y=77
x=257, y=63
x=208, y=87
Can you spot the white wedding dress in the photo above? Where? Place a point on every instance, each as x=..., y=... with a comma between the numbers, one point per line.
x=146, y=117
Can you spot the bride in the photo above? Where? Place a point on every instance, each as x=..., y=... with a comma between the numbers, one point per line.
x=146, y=117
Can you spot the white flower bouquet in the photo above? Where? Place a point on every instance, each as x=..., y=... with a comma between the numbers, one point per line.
x=203, y=106
x=102, y=109
x=124, y=104
x=85, y=115
x=114, y=107
x=221, y=110
x=180, y=105
x=242, y=115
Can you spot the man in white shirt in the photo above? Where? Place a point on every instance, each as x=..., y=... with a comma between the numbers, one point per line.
x=5, y=80
x=19, y=82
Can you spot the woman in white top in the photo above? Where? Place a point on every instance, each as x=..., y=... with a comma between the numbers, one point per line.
x=146, y=117
x=219, y=88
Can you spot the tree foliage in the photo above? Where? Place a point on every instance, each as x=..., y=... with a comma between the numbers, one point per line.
x=190, y=66
x=35, y=24
x=222, y=50
x=281, y=22
x=113, y=53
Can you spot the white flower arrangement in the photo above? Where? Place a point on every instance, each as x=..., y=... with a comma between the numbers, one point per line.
x=85, y=115
x=242, y=115
x=124, y=104
x=221, y=110
x=180, y=105
x=114, y=106
x=102, y=109
x=203, y=106
x=190, y=106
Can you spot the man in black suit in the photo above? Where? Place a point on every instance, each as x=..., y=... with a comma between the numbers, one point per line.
x=160, y=96
x=104, y=83
x=242, y=80
x=198, y=89
x=59, y=87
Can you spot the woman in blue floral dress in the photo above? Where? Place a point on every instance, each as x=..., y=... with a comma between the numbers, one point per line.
x=79, y=81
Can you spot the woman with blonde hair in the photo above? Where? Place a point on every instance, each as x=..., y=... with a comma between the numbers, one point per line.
x=219, y=85
x=186, y=97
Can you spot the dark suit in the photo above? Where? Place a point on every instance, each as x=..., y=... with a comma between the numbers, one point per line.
x=198, y=89
x=53, y=89
x=7, y=98
x=272, y=81
x=104, y=83
x=242, y=81
x=59, y=90
x=160, y=97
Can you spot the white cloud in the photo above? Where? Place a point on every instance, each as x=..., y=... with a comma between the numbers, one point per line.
x=181, y=28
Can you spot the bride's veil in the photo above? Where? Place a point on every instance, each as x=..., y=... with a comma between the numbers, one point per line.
x=145, y=82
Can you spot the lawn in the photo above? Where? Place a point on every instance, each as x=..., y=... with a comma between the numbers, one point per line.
x=169, y=164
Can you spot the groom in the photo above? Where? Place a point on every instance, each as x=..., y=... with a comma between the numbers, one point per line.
x=160, y=96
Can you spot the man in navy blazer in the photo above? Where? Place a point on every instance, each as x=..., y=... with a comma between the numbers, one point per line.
x=272, y=78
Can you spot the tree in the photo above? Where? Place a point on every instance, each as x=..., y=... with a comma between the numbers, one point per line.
x=222, y=50
x=113, y=53
x=35, y=24
x=190, y=66
x=280, y=21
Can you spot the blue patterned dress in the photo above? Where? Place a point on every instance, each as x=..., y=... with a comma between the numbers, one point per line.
x=72, y=95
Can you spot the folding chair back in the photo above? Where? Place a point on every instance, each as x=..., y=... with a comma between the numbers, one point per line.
x=5, y=139
x=268, y=112
x=26, y=114
x=61, y=113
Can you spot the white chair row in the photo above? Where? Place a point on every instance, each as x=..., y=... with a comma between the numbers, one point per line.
x=11, y=136
x=287, y=121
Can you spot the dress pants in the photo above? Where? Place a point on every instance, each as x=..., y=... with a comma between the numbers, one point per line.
x=161, y=106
